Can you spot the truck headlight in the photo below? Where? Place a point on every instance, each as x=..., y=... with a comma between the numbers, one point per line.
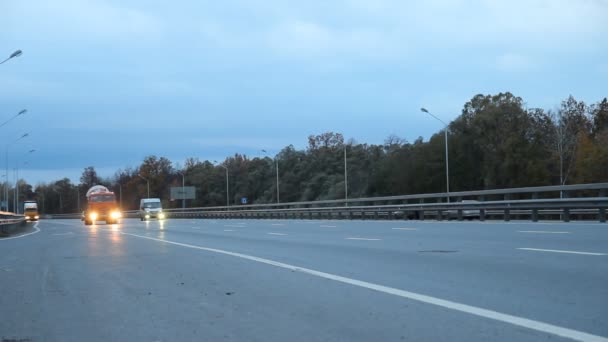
x=36, y=217
x=93, y=216
x=161, y=216
x=115, y=215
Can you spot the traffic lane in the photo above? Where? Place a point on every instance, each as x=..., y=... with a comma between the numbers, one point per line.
x=494, y=240
x=569, y=294
x=483, y=238
x=104, y=285
x=587, y=235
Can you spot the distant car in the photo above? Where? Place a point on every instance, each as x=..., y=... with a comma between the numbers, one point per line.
x=409, y=215
x=468, y=214
x=150, y=208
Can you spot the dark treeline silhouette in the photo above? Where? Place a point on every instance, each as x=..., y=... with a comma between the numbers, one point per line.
x=496, y=142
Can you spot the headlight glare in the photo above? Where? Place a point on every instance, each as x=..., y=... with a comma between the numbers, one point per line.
x=93, y=216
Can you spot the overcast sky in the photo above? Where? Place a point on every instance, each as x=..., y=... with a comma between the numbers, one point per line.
x=108, y=82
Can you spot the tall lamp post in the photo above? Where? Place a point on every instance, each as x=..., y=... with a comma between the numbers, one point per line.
x=60, y=201
x=183, y=188
x=13, y=55
x=16, y=199
x=3, y=186
x=6, y=155
x=147, y=181
x=21, y=112
x=276, y=160
x=345, y=178
x=227, y=188
x=5, y=192
x=447, y=163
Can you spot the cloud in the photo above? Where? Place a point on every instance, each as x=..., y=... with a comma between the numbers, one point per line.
x=239, y=143
x=512, y=62
x=84, y=20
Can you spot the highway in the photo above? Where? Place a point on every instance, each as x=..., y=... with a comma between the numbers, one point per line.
x=300, y=280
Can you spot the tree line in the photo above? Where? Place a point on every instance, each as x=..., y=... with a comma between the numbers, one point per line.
x=496, y=142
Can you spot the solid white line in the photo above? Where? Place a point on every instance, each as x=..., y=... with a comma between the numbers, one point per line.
x=68, y=233
x=518, y=321
x=276, y=234
x=233, y=225
x=277, y=224
x=327, y=226
x=365, y=239
x=559, y=251
x=541, y=232
x=405, y=228
x=24, y=235
x=228, y=230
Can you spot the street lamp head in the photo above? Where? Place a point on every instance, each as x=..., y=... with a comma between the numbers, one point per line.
x=16, y=54
x=23, y=111
x=30, y=151
x=424, y=110
x=264, y=151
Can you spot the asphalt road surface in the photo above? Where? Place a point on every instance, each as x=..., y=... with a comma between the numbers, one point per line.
x=298, y=280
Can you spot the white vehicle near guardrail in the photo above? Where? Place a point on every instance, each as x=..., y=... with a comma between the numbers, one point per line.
x=466, y=213
x=150, y=208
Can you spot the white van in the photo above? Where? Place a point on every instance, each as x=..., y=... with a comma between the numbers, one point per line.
x=151, y=208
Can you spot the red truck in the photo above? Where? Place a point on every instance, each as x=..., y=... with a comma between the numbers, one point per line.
x=101, y=206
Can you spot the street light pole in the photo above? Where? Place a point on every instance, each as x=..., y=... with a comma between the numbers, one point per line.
x=13, y=55
x=6, y=156
x=447, y=162
x=276, y=160
x=60, y=201
x=345, y=178
x=183, y=189
x=21, y=112
x=147, y=181
x=227, y=188
x=17, y=184
x=3, y=186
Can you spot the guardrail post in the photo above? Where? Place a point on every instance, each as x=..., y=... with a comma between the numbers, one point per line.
x=460, y=218
x=439, y=215
x=482, y=214
x=421, y=215
x=535, y=215
x=602, y=215
x=507, y=211
x=566, y=215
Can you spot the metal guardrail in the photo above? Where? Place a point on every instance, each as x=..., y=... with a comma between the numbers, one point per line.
x=532, y=209
x=9, y=224
x=578, y=201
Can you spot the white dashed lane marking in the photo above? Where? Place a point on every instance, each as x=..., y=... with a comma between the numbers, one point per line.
x=542, y=232
x=560, y=251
